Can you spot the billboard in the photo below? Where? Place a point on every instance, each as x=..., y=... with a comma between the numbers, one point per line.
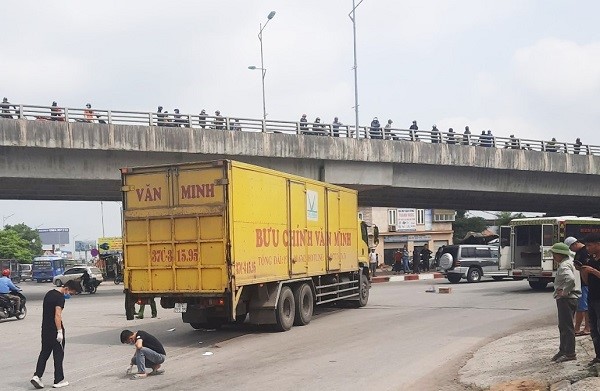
x=52, y=236
x=407, y=220
x=84, y=245
x=110, y=245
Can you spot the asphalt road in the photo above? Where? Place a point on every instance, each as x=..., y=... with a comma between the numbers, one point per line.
x=404, y=339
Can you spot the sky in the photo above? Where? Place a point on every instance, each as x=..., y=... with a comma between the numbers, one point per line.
x=524, y=67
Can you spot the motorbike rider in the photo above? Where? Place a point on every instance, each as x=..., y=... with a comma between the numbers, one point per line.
x=6, y=286
x=85, y=280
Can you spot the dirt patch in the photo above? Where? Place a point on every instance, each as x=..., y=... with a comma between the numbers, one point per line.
x=520, y=385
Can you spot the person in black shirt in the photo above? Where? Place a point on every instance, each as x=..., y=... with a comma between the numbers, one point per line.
x=148, y=352
x=53, y=334
x=581, y=316
x=426, y=257
x=590, y=274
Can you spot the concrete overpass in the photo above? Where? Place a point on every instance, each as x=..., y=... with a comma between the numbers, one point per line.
x=50, y=160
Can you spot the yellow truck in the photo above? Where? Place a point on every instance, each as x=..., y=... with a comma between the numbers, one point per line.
x=224, y=241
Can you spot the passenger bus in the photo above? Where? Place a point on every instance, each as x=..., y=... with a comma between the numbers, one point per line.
x=46, y=267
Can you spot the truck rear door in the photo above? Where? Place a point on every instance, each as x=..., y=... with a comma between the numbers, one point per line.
x=505, y=248
x=547, y=242
x=175, y=229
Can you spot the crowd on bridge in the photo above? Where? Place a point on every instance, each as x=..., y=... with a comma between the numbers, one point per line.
x=317, y=128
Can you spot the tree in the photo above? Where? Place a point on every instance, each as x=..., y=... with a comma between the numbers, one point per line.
x=463, y=224
x=503, y=218
x=13, y=246
x=31, y=236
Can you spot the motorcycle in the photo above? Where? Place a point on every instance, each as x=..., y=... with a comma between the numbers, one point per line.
x=118, y=279
x=7, y=307
x=91, y=286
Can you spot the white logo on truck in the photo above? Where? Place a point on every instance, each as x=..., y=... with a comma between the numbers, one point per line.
x=312, y=205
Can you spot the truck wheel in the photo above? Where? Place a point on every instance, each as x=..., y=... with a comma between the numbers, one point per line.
x=474, y=275
x=58, y=283
x=454, y=278
x=196, y=326
x=303, y=297
x=286, y=309
x=363, y=290
x=538, y=285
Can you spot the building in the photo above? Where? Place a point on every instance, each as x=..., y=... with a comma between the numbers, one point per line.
x=411, y=227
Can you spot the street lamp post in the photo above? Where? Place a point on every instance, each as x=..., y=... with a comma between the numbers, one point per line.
x=4, y=218
x=352, y=16
x=262, y=62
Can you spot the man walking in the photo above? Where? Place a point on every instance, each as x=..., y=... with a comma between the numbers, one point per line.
x=148, y=352
x=53, y=334
x=373, y=262
x=590, y=274
x=426, y=257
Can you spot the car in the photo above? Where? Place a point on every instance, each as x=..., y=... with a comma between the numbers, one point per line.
x=25, y=271
x=75, y=273
x=470, y=261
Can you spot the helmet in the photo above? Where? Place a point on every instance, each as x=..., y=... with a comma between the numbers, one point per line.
x=217, y=112
x=54, y=103
x=203, y=111
x=177, y=111
x=88, y=106
x=6, y=272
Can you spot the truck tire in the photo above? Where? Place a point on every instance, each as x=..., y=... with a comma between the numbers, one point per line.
x=538, y=285
x=454, y=278
x=363, y=291
x=303, y=297
x=474, y=274
x=286, y=309
x=58, y=283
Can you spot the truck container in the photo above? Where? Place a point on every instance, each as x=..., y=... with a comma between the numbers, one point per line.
x=224, y=241
x=527, y=242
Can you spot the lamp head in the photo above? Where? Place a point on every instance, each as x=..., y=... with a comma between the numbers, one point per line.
x=252, y=67
x=271, y=14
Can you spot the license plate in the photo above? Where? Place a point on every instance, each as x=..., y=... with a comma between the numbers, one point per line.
x=180, y=307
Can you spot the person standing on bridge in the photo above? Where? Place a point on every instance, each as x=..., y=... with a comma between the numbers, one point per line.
x=413, y=133
x=387, y=130
x=435, y=135
x=6, y=109
x=88, y=113
x=160, y=116
x=566, y=294
x=335, y=127
x=466, y=136
x=576, y=146
x=303, y=124
x=219, y=121
x=451, y=138
x=56, y=113
x=202, y=119
x=375, y=130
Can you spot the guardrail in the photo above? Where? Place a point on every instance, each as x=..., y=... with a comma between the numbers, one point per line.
x=201, y=121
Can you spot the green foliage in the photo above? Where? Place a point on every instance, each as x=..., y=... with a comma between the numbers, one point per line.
x=13, y=246
x=21, y=241
x=503, y=218
x=463, y=224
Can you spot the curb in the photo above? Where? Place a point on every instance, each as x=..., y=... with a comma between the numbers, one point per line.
x=408, y=277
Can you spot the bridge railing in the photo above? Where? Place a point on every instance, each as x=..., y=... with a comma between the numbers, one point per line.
x=199, y=121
